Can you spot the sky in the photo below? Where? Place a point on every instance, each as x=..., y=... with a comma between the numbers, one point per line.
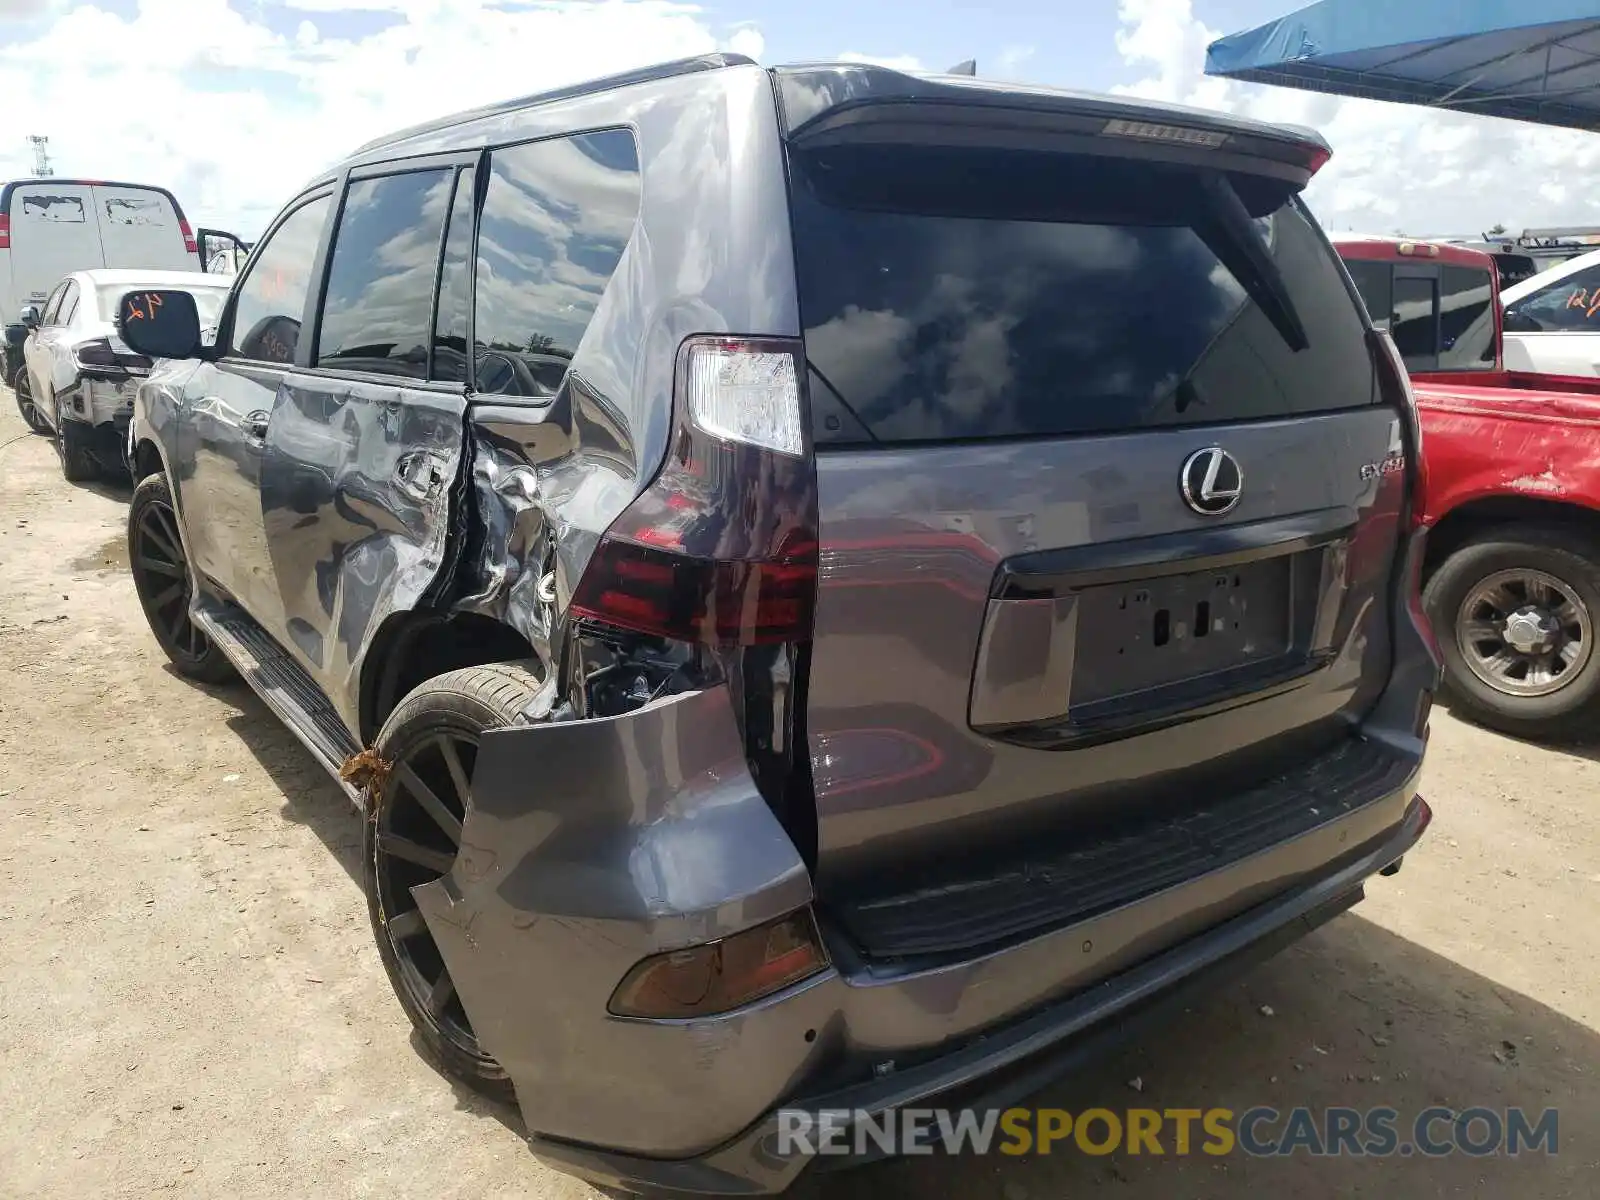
x=234, y=104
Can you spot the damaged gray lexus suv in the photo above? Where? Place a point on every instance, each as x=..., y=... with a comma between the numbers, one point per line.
x=835, y=590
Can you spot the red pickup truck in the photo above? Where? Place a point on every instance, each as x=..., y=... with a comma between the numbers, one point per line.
x=1512, y=466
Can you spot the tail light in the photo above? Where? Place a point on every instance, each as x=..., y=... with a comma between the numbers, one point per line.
x=5, y=231
x=718, y=977
x=721, y=548
x=189, y=243
x=101, y=355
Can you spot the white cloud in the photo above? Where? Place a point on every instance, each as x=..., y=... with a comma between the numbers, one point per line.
x=1394, y=166
x=895, y=62
x=234, y=117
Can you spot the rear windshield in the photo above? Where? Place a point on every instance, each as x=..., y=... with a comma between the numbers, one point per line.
x=997, y=294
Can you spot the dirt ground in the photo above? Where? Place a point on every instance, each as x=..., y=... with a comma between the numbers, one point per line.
x=191, y=1003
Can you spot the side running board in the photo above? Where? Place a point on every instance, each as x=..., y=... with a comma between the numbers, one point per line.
x=282, y=684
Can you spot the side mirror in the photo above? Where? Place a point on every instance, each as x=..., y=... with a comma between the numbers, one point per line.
x=1513, y=321
x=160, y=324
x=30, y=316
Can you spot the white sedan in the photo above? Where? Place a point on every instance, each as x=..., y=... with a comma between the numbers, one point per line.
x=79, y=377
x=1552, y=321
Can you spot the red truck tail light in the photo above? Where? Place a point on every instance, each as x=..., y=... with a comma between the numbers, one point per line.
x=721, y=548
x=5, y=231
x=189, y=243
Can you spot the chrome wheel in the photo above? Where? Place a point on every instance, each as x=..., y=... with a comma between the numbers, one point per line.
x=1524, y=632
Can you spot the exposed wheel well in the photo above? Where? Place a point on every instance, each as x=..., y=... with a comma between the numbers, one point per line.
x=1460, y=525
x=146, y=460
x=414, y=647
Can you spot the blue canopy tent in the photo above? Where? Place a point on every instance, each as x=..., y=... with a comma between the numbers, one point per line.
x=1531, y=60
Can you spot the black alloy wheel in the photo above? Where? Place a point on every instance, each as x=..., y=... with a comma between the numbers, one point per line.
x=162, y=579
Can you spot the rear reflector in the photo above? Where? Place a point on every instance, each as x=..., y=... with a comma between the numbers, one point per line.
x=721, y=548
x=721, y=976
x=1151, y=132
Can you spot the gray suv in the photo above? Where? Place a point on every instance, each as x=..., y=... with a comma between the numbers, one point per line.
x=834, y=589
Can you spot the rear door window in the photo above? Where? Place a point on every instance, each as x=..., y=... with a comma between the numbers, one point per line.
x=997, y=294
x=378, y=307
x=69, y=305
x=1416, y=311
x=1466, y=319
x=557, y=216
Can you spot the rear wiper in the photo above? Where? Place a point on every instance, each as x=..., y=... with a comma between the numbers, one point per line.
x=1234, y=238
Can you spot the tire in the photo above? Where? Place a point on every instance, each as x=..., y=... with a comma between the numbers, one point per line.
x=78, y=464
x=22, y=387
x=1559, y=701
x=160, y=568
x=453, y=709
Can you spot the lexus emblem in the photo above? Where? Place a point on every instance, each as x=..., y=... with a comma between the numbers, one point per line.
x=1211, y=481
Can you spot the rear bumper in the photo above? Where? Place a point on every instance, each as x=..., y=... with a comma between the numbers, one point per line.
x=1004, y=1067
x=593, y=844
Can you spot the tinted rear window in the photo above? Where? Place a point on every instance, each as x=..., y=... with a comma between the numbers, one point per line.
x=1466, y=321
x=989, y=294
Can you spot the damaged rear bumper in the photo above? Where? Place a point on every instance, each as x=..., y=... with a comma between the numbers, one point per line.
x=595, y=844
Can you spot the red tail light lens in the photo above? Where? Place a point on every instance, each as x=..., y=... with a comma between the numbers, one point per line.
x=188, y=236
x=722, y=547
x=721, y=976
x=5, y=231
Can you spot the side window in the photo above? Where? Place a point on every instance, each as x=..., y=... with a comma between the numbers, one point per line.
x=455, y=287
x=1373, y=281
x=1466, y=319
x=52, y=305
x=557, y=216
x=1414, y=327
x=272, y=298
x=379, y=303
x=1566, y=305
x=69, y=304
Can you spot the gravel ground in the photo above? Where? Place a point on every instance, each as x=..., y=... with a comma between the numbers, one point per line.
x=191, y=1001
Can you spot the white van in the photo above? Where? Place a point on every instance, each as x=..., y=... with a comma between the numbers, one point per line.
x=52, y=227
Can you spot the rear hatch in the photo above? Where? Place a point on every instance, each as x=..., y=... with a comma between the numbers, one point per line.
x=1107, y=506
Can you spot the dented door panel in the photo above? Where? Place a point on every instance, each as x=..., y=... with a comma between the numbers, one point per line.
x=356, y=493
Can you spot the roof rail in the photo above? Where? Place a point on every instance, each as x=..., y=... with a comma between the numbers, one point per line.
x=666, y=70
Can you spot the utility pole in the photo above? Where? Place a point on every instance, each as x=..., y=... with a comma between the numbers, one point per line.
x=41, y=155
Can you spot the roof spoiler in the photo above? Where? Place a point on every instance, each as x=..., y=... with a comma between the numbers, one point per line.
x=834, y=104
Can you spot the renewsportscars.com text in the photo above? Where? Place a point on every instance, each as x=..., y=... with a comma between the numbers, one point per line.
x=1259, y=1132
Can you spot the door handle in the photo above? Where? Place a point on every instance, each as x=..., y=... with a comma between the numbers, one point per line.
x=255, y=427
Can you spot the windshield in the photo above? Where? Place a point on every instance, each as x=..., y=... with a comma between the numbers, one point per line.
x=208, y=300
